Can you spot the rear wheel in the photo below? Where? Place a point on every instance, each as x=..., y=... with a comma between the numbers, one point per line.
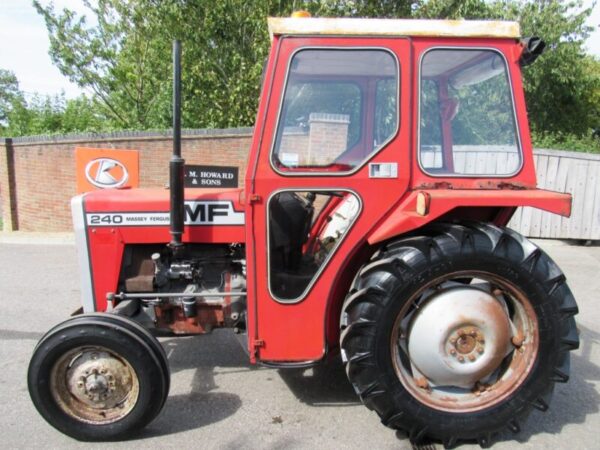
x=458, y=333
x=98, y=377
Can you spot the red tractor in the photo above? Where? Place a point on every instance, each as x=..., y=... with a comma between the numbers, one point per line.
x=387, y=158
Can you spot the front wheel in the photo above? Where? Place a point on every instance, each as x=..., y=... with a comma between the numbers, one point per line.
x=98, y=377
x=456, y=334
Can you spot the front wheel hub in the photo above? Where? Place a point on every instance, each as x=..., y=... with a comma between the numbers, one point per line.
x=459, y=336
x=94, y=385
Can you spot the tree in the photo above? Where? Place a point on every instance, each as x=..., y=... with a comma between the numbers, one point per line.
x=9, y=92
x=51, y=114
x=559, y=84
x=119, y=59
x=125, y=58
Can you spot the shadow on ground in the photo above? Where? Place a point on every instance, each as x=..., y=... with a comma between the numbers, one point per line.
x=19, y=335
x=323, y=385
x=201, y=406
x=574, y=401
x=326, y=385
x=571, y=402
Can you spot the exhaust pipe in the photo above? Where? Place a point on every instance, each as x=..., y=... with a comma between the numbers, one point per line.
x=176, y=163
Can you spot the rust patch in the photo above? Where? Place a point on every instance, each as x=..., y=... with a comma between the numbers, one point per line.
x=449, y=400
x=422, y=382
x=436, y=185
x=518, y=339
x=466, y=344
x=503, y=185
x=171, y=317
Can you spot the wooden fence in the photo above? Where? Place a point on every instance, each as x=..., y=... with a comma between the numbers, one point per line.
x=572, y=172
x=475, y=159
x=561, y=171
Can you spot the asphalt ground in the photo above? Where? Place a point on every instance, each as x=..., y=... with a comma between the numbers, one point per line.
x=217, y=400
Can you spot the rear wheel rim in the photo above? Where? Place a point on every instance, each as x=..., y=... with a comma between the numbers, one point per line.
x=459, y=349
x=94, y=385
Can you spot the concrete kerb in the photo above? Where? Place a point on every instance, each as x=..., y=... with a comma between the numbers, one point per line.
x=36, y=238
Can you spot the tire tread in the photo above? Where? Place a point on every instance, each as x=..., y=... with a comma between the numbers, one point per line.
x=397, y=260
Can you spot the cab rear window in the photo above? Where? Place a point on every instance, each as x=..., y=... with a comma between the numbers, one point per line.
x=467, y=123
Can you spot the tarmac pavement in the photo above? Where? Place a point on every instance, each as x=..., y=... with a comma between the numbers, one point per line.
x=217, y=400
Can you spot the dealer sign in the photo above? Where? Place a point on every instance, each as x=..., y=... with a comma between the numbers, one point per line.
x=210, y=176
x=106, y=168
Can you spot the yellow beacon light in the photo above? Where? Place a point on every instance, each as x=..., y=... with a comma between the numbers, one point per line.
x=300, y=14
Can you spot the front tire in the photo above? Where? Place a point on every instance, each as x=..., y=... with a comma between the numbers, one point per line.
x=456, y=334
x=98, y=377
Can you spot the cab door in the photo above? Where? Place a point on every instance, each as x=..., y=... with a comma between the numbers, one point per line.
x=330, y=157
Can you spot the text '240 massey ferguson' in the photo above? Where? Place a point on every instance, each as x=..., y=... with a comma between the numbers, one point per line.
x=387, y=158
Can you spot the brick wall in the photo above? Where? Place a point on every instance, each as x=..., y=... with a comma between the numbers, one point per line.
x=319, y=143
x=328, y=137
x=37, y=174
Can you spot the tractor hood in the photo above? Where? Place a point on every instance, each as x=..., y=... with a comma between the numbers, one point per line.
x=206, y=210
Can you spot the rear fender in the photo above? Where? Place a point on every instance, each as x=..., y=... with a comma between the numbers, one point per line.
x=425, y=206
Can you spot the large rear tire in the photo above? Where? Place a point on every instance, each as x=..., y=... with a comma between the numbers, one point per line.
x=457, y=333
x=98, y=377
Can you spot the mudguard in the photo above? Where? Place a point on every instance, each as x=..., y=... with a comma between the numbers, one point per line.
x=436, y=202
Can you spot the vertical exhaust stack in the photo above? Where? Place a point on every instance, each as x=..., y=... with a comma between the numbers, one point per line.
x=177, y=162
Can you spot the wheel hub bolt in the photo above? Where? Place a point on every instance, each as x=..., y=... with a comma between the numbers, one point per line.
x=518, y=340
x=422, y=383
x=466, y=344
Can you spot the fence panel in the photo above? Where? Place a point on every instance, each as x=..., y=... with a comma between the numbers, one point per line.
x=572, y=172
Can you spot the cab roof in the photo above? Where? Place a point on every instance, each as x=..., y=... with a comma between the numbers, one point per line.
x=393, y=27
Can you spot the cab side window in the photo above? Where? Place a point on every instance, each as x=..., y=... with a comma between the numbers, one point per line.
x=329, y=96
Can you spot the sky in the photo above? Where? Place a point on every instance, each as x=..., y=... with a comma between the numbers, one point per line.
x=24, y=46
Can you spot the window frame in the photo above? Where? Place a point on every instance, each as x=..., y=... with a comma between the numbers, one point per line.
x=514, y=110
x=374, y=123
x=333, y=251
x=321, y=171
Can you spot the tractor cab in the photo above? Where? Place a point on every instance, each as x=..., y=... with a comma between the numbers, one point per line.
x=374, y=117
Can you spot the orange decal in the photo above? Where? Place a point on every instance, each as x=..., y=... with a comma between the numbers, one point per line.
x=106, y=168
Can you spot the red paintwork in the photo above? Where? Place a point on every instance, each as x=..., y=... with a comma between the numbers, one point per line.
x=304, y=330
x=107, y=243
x=294, y=332
x=297, y=332
x=404, y=217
